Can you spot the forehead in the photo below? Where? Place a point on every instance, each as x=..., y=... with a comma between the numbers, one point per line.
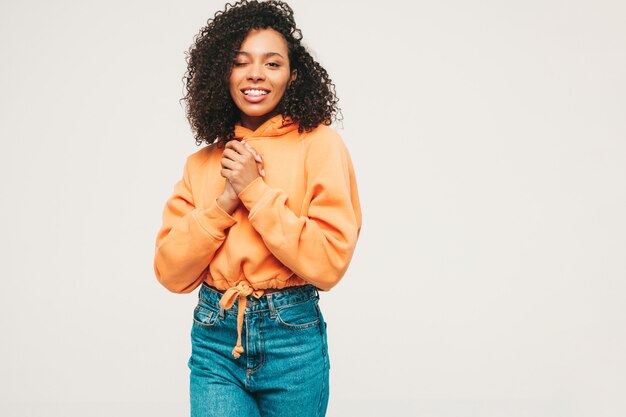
x=261, y=41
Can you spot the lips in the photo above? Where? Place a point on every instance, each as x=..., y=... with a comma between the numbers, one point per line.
x=255, y=94
x=255, y=90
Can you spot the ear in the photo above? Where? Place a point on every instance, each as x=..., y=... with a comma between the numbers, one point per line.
x=294, y=75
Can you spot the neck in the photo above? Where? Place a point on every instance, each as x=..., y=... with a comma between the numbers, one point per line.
x=253, y=122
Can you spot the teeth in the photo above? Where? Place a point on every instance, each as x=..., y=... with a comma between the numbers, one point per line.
x=255, y=92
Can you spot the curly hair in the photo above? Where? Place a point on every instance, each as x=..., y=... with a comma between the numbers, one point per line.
x=309, y=100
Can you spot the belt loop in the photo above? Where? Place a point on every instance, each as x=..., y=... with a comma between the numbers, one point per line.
x=270, y=302
x=221, y=313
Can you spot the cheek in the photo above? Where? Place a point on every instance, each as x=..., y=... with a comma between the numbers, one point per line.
x=233, y=83
x=282, y=85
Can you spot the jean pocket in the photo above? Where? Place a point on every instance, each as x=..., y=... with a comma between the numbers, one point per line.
x=300, y=315
x=204, y=316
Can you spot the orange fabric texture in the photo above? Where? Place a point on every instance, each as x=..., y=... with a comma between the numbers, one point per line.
x=297, y=225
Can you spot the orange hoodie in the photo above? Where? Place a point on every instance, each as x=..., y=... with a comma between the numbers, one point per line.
x=297, y=225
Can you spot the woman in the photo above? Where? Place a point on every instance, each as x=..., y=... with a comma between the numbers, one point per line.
x=263, y=218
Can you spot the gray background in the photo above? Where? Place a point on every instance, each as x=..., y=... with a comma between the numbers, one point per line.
x=489, y=143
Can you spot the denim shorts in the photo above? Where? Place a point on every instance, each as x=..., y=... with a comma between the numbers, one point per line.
x=284, y=369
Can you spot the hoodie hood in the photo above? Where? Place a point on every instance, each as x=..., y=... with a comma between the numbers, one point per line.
x=271, y=127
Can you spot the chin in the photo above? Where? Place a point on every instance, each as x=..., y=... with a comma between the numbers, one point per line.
x=255, y=113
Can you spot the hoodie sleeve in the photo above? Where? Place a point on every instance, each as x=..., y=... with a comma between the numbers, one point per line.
x=318, y=245
x=188, y=238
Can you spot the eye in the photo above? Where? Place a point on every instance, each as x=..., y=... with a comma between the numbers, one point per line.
x=239, y=64
x=274, y=64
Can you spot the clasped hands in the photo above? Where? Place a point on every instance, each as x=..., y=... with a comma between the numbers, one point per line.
x=241, y=165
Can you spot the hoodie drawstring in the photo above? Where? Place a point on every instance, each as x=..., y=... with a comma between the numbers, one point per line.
x=241, y=290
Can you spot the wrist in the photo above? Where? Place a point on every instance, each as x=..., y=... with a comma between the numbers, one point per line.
x=226, y=204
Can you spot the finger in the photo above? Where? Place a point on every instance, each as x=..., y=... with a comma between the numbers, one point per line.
x=229, y=164
x=262, y=166
x=236, y=145
x=256, y=156
x=259, y=159
x=243, y=151
x=231, y=154
x=254, y=152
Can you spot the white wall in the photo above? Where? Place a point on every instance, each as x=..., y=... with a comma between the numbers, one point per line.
x=489, y=143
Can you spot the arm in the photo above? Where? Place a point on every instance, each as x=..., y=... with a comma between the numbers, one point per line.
x=188, y=238
x=318, y=245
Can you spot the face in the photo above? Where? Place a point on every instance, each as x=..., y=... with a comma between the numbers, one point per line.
x=260, y=75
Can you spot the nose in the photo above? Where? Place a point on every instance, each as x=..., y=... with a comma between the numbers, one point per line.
x=256, y=73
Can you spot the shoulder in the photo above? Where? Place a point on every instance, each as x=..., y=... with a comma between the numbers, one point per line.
x=324, y=139
x=325, y=151
x=201, y=157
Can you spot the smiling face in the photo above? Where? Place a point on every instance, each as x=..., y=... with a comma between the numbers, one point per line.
x=259, y=76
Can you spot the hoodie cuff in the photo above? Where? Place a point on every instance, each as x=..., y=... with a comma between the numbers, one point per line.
x=253, y=193
x=214, y=220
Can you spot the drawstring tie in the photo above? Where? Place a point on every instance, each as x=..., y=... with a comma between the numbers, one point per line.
x=241, y=290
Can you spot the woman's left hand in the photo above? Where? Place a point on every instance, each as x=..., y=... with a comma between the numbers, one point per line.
x=239, y=164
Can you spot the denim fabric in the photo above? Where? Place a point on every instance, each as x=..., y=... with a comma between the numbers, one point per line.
x=284, y=369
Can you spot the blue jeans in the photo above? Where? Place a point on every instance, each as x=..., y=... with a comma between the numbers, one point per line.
x=283, y=371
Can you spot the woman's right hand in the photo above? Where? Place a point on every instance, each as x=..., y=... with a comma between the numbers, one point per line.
x=229, y=200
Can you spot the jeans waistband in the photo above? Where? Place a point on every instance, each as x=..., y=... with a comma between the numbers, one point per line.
x=286, y=296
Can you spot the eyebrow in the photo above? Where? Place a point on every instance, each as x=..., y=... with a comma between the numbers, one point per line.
x=266, y=55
